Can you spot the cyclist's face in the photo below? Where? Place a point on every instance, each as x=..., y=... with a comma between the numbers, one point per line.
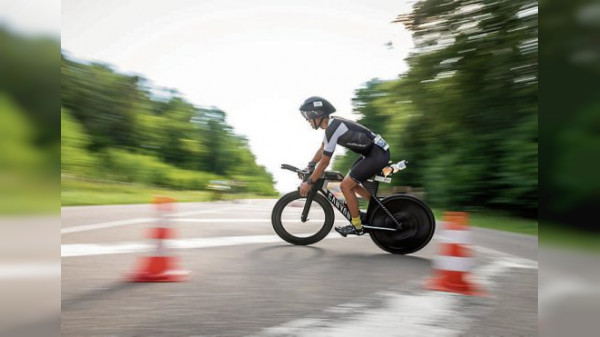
x=312, y=122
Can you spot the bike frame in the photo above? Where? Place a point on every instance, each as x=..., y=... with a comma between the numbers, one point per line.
x=340, y=205
x=337, y=203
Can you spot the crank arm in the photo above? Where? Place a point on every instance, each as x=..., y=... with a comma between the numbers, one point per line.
x=380, y=228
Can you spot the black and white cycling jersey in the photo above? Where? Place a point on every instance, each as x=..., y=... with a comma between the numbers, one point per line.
x=348, y=134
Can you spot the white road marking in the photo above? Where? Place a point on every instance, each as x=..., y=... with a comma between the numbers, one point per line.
x=257, y=209
x=400, y=314
x=241, y=220
x=507, y=256
x=456, y=263
x=118, y=223
x=424, y=314
x=490, y=251
x=32, y=270
x=204, y=211
x=102, y=225
x=88, y=249
x=72, y=250
x=484, y=275
x=455, y=236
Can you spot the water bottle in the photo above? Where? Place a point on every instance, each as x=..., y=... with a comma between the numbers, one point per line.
x=401, y=165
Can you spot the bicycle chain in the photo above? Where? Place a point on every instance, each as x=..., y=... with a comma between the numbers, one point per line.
x=389, y=214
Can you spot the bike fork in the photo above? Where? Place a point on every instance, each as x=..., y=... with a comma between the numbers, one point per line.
x=309, y=199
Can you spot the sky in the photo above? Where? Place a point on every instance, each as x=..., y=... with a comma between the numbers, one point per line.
x=257, y=60
x=31, y=16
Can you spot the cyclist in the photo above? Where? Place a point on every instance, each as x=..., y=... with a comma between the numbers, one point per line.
x=373, y=149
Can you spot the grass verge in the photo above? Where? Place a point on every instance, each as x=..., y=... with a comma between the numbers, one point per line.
x=499, y=222
x=567, y=237
x=82, y=192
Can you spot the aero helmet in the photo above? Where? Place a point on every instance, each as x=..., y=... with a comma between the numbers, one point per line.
x=315, y=107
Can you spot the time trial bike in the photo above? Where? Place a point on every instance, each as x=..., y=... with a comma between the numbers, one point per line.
x=399, y=223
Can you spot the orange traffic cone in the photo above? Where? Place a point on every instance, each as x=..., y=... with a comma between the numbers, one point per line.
x=455, y=261
x=160, y=267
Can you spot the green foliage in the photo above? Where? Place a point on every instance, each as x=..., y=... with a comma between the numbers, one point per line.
x=517, y=175
x=29, y=75
x=24, y=183
x=75, y=157
x=131, y=167
x=89, y=192
x=465, y=113
x=17, y=136
x=571, y=105
x=29, y=127
x=128, y=134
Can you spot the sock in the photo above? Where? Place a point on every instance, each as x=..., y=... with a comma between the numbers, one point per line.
x=356, y=223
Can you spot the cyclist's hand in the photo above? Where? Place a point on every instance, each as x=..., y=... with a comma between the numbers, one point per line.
x=305, y=188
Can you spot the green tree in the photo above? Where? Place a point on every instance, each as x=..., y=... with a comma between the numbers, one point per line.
x=139, y=136
x=465, y=113
x=75, y=157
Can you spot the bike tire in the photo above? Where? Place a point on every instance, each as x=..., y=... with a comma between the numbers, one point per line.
x=320, y=230
x=417, y=220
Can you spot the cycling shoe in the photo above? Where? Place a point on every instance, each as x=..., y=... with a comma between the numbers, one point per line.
x=349, y=229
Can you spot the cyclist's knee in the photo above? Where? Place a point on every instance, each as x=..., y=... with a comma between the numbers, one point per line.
x=348, y=184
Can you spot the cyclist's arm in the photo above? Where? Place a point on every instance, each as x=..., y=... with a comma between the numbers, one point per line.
x=323, y=163
x=318, y=155
x=327, y=148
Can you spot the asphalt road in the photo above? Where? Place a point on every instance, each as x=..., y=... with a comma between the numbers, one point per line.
x=245, y=281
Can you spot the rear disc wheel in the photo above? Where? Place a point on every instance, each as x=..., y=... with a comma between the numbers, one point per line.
x=418, y=226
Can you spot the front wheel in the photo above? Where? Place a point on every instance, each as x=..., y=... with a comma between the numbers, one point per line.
x=416, y=218
x=287, y=223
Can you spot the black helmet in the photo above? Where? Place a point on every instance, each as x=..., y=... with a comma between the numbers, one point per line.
x=315, y=107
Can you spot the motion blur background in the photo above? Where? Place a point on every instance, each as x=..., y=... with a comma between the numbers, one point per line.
x=463, y=110
x=29, y=168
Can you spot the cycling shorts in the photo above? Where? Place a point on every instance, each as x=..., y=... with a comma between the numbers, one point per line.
x=369, y=165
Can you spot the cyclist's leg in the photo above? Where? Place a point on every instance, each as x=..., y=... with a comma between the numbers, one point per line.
x=348, y=186
x=362, y=170
x=360, y=190
x=367, y=167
